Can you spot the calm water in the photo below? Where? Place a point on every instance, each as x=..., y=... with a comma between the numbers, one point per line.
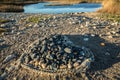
x=41, y=8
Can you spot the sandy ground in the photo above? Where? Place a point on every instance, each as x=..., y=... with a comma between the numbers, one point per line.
x=101, y=36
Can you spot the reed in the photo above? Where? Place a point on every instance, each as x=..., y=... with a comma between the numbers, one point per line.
x=111, y=6
x=11, y=8
x=77, y=1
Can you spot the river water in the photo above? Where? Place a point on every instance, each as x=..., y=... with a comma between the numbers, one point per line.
x=46, y=9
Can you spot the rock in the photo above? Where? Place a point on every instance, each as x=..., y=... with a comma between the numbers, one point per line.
x=92, y=35
x=3, y=75
x=43, y=48
x=86, y=39
x=110, y=36
x=43, y=65
x=3, y=25
x=94, y=27
x=49, y=56
x=33, y=56
x=27, y=59
x=69, y=65
x=102, y=44
x=36, y=64
x=30, y=25
x=54, y=17
x=76, y=64
x=36, y=25
x=79, y=61
x=68, y=50
x=108, y=33
x=81, y=57
x=18, y=33
x=11, y=68
x=8, y=58
x=63, y=66
x=107, y=53
x=74, y=60
x=113, y=32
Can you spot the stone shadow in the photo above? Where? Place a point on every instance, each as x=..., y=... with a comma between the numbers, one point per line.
x=106, y=54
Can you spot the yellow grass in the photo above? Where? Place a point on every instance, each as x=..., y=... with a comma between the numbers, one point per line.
x=75, y=1
x=111, y=6
x=11, y=8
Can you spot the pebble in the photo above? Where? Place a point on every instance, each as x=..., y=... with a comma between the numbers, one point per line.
x=11, y=68
x=3, y=75
x=36, y=25
x=9, y=57
x=94, y=27
x=2, y=25
x=36, y=64
x=63, y=66
x=18, y=33
x=76, y=64
x=33, y=56
x=113, y=32
x=92, y=35
x=86, y=39
x=27, y=59
x=68, y=50
x=102, y=44
x=110, y=36
x=107, y=53
x=79, y=61
x=69, y=65
x=43, y=65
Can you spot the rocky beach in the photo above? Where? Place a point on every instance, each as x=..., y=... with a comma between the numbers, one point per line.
x=85, y=30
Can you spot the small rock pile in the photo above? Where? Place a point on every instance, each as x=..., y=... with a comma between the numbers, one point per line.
x=54, y=53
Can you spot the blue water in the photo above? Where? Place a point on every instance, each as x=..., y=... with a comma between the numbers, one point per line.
x=41, y=8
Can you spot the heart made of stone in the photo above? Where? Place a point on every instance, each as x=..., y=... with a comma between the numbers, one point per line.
x=57, y=53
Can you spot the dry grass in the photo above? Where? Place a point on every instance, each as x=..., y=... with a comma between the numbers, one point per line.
x=11, y=8
x=111, y=6
x=76, y=1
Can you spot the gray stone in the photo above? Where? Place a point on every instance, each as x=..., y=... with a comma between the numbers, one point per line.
x=33, y=56
x=43, y=48
x=86, y=39
x=68, y=50
x=49, y=56
x=27, y=59
x=9, y=57
x=79, y=61
x=4, y=75
x=11, y=68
